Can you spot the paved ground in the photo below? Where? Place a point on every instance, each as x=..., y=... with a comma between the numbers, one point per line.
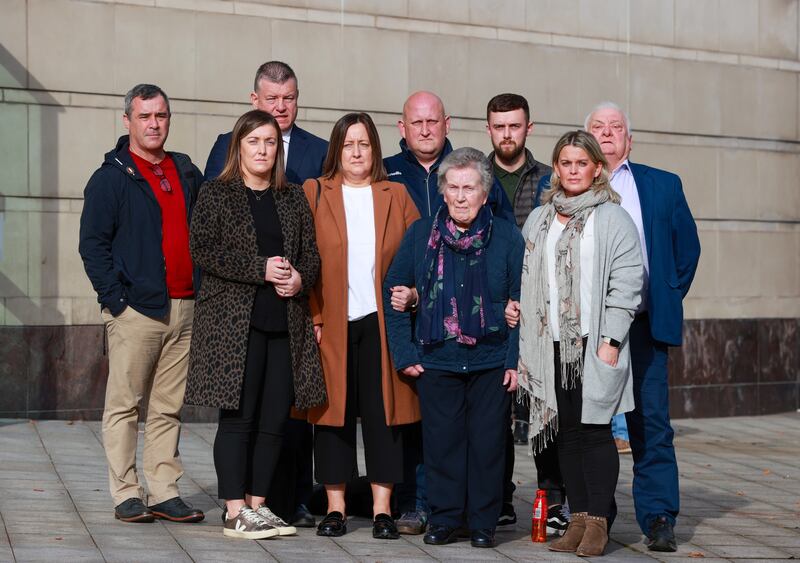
x=740, y=485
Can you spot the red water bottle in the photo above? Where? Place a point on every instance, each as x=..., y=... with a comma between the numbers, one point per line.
x=539, y=517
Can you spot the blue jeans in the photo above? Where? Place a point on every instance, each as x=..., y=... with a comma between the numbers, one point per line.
x=619, y=427
x=411, y=494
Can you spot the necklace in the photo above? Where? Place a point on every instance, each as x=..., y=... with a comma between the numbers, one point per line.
x=256, y=192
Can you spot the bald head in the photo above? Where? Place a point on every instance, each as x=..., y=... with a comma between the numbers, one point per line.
x=424, y=126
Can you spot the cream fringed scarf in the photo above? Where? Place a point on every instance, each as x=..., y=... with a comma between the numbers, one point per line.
x=536, y=356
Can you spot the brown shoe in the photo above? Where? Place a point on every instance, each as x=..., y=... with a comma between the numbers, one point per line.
x=595, y=538
x=623, y=446
x=570, y=541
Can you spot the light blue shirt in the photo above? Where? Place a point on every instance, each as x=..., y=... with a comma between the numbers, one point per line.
x=623, y=183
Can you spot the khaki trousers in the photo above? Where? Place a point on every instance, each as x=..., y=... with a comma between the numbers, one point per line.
x=146, y=357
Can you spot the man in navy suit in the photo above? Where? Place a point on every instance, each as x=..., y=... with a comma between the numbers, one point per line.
x=275, y=91
x=668, y=234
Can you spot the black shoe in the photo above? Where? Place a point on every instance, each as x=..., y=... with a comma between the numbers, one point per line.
x=520, y=433
x=440, y=535
x=661, y=536
x=507, y=515
x=333, y=525
x=482, y=538
x=303, y=518
x=133, y=510
x=384, y=528
x=175, y=510
x=556, y=521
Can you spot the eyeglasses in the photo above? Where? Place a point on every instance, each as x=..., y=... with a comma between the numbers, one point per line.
x=164, y=183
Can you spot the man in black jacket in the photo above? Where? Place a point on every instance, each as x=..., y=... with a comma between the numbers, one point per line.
x=134, y=242
x=522, y=177
x=275, y=91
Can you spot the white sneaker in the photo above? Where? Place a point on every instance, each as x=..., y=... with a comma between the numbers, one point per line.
x=248, y=525
x=275, y=521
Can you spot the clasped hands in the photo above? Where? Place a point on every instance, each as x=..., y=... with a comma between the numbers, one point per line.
x=280, y=273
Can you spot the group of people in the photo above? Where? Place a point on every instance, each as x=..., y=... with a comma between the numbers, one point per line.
x=301, y=285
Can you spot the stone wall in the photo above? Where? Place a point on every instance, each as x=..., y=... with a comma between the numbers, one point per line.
x=712, y=89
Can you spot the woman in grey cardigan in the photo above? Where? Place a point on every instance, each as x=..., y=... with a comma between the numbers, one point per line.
x=581, y=284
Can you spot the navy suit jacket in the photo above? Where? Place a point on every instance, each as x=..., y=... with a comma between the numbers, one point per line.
x=673, y=249
x=306, y=155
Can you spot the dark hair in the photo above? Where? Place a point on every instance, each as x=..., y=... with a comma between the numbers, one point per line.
x=333, y=160
x=508, y=102
x=145, y=92
x=245, y=125
x=273, y=71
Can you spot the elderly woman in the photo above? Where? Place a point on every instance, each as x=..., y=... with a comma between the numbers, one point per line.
x=253, y=350
x=466, y=265
x=360, y=219
x=581, y=285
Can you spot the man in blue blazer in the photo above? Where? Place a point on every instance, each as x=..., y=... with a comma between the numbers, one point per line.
x=275, y=91
x=655, y=201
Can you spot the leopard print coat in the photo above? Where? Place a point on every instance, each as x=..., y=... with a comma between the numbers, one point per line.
x=223, y=244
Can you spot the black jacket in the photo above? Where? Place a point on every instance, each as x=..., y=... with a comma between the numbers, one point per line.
x=120, y=234
x=423, y=185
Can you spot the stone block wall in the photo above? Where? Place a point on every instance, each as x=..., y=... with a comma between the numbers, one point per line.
x=711, y=87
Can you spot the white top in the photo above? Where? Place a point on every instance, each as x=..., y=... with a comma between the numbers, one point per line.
x=623, y=183
x=360, y=218
x=587, y=272
x=287, y=137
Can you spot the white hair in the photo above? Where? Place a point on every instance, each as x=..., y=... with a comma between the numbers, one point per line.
x=608, y=105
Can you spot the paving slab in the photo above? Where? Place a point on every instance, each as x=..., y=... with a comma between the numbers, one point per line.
x=740, y=487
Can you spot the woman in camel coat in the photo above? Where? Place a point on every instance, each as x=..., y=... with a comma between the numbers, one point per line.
x=360, y=219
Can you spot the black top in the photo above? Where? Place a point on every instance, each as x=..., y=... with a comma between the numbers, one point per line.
x=269, y=310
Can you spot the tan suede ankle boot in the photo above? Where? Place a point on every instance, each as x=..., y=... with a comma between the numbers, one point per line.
x=570, y=541
x=595, y=537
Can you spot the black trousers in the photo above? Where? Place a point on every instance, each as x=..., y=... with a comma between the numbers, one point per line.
x=293, y=480
x=548, y=471
x=249, y=438
x=587, y=454
x=464, y=421
x=335, y=446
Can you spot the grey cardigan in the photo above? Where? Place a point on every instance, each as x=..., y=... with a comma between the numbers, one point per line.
x=616, y=293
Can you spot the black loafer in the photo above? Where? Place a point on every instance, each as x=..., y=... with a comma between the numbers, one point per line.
x=384, y=528
x=133, y=510
x=175, y=510
x=440, y=535
x=333, y=525
x=661, y=536
x=483, y=538
x=303, y=518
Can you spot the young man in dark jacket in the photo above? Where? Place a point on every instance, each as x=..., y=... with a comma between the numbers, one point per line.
x=522, y=178
x=134, y=242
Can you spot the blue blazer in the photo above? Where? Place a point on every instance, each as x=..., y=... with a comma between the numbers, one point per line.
x=673, y=249
x=306, y=156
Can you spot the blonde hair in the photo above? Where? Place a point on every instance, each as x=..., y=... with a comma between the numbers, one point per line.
x=587, y=142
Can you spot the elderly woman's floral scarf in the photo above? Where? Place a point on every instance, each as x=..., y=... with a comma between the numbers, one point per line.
x=449, y=309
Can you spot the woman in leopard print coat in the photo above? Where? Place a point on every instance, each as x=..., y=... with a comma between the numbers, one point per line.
x=253, y=352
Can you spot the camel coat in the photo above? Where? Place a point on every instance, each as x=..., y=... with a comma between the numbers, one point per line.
x=394, y=213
